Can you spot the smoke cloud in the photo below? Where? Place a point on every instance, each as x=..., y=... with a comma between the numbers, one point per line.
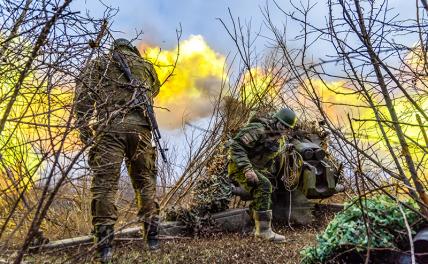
x=189, y=94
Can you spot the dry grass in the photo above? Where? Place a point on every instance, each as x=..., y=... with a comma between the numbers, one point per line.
x=215, y=248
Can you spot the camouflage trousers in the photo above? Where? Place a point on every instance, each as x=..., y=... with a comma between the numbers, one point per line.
x=261, y=192
x=131, y=142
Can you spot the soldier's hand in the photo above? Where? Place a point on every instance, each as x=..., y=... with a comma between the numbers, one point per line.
x=251, y=177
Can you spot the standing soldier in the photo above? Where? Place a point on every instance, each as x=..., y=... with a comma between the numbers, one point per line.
x=121, y=131
x=251, y=152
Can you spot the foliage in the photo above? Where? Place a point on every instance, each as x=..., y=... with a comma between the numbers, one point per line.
x=348, y=229
x=210, y=194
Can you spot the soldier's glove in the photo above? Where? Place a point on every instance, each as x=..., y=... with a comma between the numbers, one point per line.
x=86, y=135
x=251, y=177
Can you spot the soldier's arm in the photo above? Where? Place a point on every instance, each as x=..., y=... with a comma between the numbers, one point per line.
x=246, y=140
x=155, y=80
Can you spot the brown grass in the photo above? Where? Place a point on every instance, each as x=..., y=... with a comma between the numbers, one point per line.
x=214, y=248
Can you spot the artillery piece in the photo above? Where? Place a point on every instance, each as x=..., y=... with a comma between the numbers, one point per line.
x=302, y=172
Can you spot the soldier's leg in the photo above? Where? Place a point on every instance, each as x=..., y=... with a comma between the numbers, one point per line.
x=261, y=192
x=262, y=213
x=105, y=159
x=141, y=161
x=261, y=206
x=143, y=172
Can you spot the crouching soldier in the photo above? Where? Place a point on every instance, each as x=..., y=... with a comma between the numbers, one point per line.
x=251, y=152
x=123, y=132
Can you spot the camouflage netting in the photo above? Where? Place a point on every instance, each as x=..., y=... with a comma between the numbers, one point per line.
x=211, y=194
x=346, y=240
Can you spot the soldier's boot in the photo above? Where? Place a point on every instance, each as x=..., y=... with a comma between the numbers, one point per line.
x=151, y=229
x=263, y=225
x=104, y=235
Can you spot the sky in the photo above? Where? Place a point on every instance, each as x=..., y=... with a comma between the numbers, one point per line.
x=159, y=19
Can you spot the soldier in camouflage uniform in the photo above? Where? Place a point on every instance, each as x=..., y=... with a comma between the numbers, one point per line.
x=102, y=93
x=251, y=153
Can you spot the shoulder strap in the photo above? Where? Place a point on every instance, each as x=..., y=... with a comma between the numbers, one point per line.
x=123, y=65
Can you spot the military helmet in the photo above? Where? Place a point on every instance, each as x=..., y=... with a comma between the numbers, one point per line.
x=121, y=42
x=287, y=117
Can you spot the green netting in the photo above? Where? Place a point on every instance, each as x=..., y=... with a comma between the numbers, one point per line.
x=210, y=194
x=347, y=231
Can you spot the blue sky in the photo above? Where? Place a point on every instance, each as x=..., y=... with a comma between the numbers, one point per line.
x=159, y=19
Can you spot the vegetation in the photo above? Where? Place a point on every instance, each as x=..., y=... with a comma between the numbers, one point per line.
x=365, y=223
x=366, y=87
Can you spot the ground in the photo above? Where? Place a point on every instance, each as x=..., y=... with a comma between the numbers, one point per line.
x=217, y=248
x=214, y=248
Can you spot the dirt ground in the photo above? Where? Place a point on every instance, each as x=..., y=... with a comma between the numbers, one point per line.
x=217, y=248
x=214, y=248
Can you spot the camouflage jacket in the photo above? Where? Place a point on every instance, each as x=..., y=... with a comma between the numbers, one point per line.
x=103, y=88
x=255, y=146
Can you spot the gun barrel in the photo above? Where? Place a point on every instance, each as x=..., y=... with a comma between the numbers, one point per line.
x=161, y=150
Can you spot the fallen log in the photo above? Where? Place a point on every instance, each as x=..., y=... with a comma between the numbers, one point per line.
x=333, y=207
x=166, y=229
